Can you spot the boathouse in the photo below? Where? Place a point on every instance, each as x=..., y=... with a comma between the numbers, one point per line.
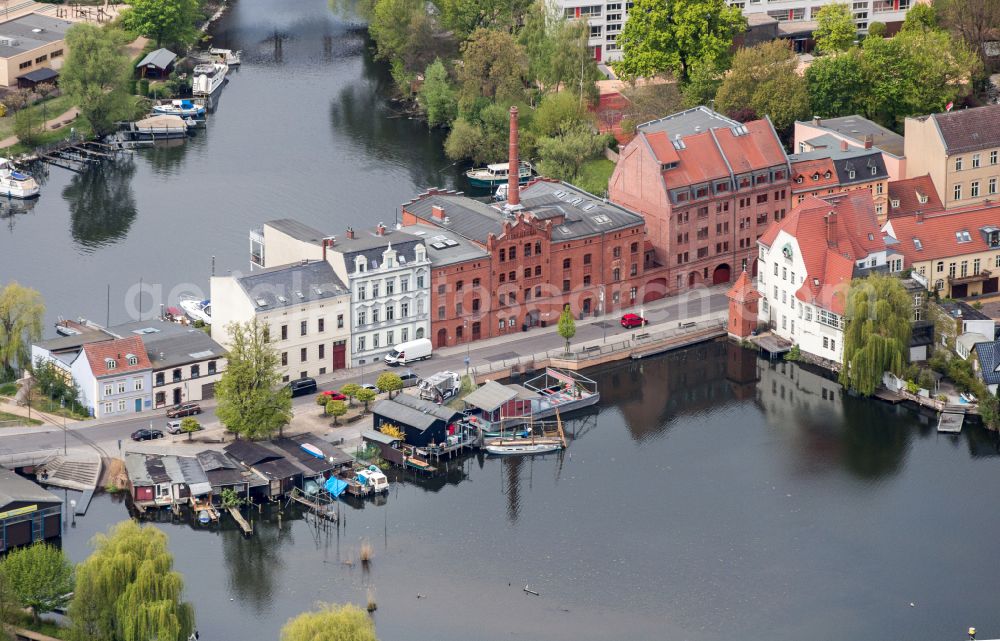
x=422, y=421
x=281, y=475
x=223, y=473
x=315, y=457
x=161, y=480
x=28, y=512
x=156, y=64
x=493, y=402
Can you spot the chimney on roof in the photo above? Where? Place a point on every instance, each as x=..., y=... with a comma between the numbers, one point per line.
x=329, y=241
x=437, y=211
x=920, y=216
x=831, y=229
x=843, y=145
x=380, y=229
x=513, y=164
x=869, y=141
x=817, y=122
x=350, y=233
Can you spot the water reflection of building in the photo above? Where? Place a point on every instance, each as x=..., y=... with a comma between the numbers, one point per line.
x=788, y=391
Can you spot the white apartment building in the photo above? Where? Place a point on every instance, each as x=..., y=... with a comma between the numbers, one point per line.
x=388, y=274
x=605, y=20
x=806, y=265
x=305, y=307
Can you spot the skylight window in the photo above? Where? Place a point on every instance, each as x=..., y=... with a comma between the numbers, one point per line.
x=919, y=245
x=601, y=219
x=963, y=236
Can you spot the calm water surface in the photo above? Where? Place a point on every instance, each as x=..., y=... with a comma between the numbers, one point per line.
x=710, y=496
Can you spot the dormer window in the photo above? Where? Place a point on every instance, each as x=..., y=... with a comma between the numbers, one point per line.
x=799, y=179
x=922, y=198
x=360, y=264
x=132, y=359
x=874, y=170
x=827, y=174
x=850, y=174
x=110, y=363
x=815, y=176
x=894, y=202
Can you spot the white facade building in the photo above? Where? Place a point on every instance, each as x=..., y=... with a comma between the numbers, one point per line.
x=605, y=20
x=388, y=274
x=806, y=266
x=114, y=377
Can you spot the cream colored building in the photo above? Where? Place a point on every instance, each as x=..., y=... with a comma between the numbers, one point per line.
x=29, y=43
x=960, y=150
x=305, y=307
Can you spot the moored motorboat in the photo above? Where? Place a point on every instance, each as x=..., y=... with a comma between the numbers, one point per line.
x=228, y=56
x=182, y=108
x=522, y=447
x=497, y=174
x=208, y=77
x=196, y=309
x=15, y=183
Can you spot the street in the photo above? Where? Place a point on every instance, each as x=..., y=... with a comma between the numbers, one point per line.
x=110, y=436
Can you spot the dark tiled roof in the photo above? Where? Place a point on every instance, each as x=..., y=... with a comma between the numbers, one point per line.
x=961, y=309
x=688, y=122
x=969, y=129
x=298, y=283
x=371, y=245
x=250, y=454
x=584, y=214
x=446, y=247
x=413, y=412
x=14, y=489
x=467, y=217
x=989, y=361
x=861, y=161
x=171, y=344
x=160, y=58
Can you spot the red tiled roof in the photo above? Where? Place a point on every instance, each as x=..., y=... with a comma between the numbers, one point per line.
x=700, y=161
x=662, y=148
x=832, y=233
x=119, y=350
x=936, y=234
x=759, y=148
x=908, y=191
x=743, y=289
x=821, y=168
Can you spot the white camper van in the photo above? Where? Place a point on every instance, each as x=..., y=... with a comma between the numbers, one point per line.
x=409, y=351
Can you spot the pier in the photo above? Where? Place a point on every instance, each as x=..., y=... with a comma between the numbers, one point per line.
x=241, y=521
x=327, y=510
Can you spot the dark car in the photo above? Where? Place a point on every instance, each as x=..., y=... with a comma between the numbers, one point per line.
x=146, y=435
x=303, y=386
x=184, y=409
x=633, y=320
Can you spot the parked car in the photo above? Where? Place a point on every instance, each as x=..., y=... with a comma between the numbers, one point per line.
x=333, y=395
x=409, y=378
x=303, y=386
x=174, y=427
x=369, y=386
x=146, y=435
x=184, y=409
x=633, y=320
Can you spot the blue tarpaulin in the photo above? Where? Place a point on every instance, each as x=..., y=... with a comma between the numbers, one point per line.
x=335, y=486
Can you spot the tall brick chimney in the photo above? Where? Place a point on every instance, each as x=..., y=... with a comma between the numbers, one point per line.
x=831, y=229
x=437, y=212
x=350, y=233
x=843, y=145
x=513, y=164
x=380, y=229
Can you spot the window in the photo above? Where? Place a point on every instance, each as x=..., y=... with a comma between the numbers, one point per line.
x=59, y=52
x=388, y=339
x=177, y=374
x=362, y=317
x=475, y=282
x=110, y=363
x=108, y=408
x=133, y=360
x=441, y=312
x=992, y=188
x=833, y=344
x=121, y=387
x=826, y=343
x=527, y=250
x=420, y=281
x=512, y=276
x=565, y=286
x=634, y=270
x=121, y=405
x=510, y=322
x=616, y=274
x=458, y=309
x=284, y=358
x=586, y=280
x=951, y=270
x=390, y=312
x=475, y=304
x=284, y=332
x=159, y=378
x=958, y=164
x=302, y=328
x=617, y=252
x=993, y=154
x=958, y=192
x=974, y=189
x=975, y=161
x=375, y=315
x=375, y=290
x=940, y=265
x=965, y=268
x=405, y=334
x=108, y=389
x=195, y=371
x=340, y=321
x=361, y=343
x=634, y=248
x=975, y=266
x=211, y=367
x=404, y=310
x=567, y=263
x=390, y=287
x=776, y=269
x=25, y=64
x=503, y=254
x=41, y=59
x=319, y=325
x=527, y=272
x=322, y=351
x=878, y=189
x=362, y=291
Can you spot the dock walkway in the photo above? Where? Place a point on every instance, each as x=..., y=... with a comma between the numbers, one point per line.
x=241, y=521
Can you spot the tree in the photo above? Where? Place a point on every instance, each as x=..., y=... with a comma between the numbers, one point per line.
x=190, y=425
x=437, y=97
x=21, y=312
x=28, y=126
x=975, y=21
x=835, y=28
x=230, y=498
x=493, y=66
x=366, y=396
x=164, y=21
x=559, y=56
x=39, y=577
x=483, y=137
x=322, y=400
x=389, y=382
x=877, y=30
x=567, y=326
x=562, y=156
x=96, y=75
x=330, y=623
x=672, y=35
x=336, y=409
x=877, y=332
x=127, y=589
x=252, y=403
x=922, y=17
x=837, y=85
x=350, y=390
x=763, y=78
x=558, y=114
x=464, y=17
x=651, y=100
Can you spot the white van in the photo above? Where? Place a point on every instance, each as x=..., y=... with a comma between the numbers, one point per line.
x=409, y=351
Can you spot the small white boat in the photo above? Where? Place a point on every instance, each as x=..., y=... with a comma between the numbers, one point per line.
x=228, y=56
x=496, y=174
x=197, y=310
x=14, y=183
x=182, y=108
x=524, y=447
x=204, y=517
x=207, y=78
x=374, y=479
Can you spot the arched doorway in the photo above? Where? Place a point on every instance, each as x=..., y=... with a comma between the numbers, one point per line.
x=692, y=279
x=654, y=290
x=721, y=274
x=420, y=332
x=442, y=337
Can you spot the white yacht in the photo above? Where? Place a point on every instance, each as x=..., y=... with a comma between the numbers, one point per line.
x=14, y=183
x=197, y=309
x=208, y=77
x=228, y=56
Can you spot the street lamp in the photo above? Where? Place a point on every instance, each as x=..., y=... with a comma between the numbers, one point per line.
x=468, y=340
x=62, y=405
x=72, y=510
x=604, y=324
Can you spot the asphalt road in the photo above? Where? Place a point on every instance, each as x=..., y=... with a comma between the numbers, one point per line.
x=111, y=436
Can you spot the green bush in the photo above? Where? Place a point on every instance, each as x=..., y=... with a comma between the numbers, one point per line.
x=794, y=354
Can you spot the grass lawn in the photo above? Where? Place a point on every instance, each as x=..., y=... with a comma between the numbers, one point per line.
x=594, y=176
x=49, y=109
x=8, y=389
x=47, y=405
x=5, y=418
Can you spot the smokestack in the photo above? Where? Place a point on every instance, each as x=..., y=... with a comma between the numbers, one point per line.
x=513, y=164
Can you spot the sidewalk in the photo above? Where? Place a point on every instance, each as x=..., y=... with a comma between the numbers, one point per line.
x=13, y=408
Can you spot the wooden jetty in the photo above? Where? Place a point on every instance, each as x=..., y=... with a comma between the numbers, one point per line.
x=323, y=509
x=75, y=155
x=241, y=521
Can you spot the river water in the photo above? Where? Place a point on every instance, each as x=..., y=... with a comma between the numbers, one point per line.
x=711, y=495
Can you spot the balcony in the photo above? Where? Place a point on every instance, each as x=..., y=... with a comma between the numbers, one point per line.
x=973, y=278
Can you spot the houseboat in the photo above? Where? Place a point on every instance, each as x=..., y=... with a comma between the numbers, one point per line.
x=14, y=183
x=182, y=108
x=495, y=408
x=496, y=174
x=208, y=77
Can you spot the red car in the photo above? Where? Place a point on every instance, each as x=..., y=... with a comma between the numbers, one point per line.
x=633, y=320
x=333, y=395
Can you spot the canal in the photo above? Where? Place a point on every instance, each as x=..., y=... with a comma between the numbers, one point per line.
x=711, y=495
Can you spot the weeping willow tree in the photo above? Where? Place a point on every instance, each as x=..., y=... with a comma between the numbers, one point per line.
x=330, y=623
x=127, y=589
x=877, y=335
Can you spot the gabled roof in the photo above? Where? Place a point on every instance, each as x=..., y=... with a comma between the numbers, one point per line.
x=17, y=489
x=862, y=162
x=413, y=412
x=161, y=58
x=743, y=289
x=942, y=235
x=249, y=453
x=969, y=129
x=490, y=396
x=812, y=173
x=100, y=355
x=908, y=194
x=988, y=354
x=171, y=344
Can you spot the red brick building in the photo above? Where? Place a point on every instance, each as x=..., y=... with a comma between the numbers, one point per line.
x=559, y=246
x=708, y=188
